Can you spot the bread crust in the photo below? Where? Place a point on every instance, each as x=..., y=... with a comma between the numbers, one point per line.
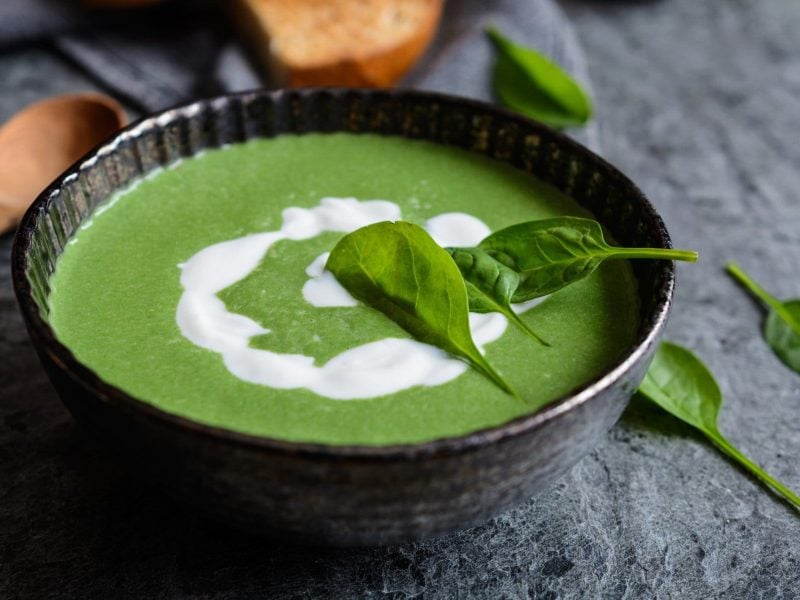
x=302, y=50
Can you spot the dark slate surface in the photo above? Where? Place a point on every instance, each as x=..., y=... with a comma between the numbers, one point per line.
x=700, y=104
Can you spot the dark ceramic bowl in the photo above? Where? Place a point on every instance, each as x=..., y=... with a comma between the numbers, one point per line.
x=343, y=495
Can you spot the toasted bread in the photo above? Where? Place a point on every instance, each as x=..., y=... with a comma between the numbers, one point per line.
x=354, y=43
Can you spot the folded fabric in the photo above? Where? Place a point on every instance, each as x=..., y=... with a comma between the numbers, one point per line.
x=26, y=20
x=167, y=54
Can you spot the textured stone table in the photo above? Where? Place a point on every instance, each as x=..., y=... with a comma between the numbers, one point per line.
x=700, y=103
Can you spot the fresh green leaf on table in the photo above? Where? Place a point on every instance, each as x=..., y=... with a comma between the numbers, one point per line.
x=550, y=254
x=782, y=327
x=682, y=385
x=490, y=285
x=533, y=85
x=398, y=269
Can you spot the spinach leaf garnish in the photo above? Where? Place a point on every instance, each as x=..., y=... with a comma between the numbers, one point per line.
x=533, y=85
x=782, y=327
x=681, y=384
x=550, y=254
x=490, y=285
x=398, y=269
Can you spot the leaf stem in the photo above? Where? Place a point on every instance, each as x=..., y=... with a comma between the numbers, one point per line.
x=656, y=253
x=733, y=452
x=753, y=287
x=512, y=316
x=494, y=376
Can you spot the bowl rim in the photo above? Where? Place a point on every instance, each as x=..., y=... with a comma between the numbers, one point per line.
x=44, y=337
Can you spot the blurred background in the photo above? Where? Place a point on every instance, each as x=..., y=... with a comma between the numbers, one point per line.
x=170, y=51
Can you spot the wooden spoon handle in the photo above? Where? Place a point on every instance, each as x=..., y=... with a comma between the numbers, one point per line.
x=42, y=140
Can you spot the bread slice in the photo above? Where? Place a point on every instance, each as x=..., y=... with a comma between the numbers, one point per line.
x=352, y=43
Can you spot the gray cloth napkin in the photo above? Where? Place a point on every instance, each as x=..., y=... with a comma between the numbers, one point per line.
x=182, y=49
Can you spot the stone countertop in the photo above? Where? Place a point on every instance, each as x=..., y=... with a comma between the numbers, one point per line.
x=699, y=103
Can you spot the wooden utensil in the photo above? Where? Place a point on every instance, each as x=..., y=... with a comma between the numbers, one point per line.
x=45, y=138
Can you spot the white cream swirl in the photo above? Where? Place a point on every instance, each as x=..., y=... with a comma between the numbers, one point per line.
x=366, y=371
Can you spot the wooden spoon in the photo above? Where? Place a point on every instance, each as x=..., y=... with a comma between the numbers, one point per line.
x=41, y=141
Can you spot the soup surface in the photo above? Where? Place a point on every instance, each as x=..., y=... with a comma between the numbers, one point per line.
x=197, y=291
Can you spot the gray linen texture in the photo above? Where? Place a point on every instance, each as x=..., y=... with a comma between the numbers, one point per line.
x=161, y=56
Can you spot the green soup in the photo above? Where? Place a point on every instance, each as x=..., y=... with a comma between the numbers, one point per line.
x=117, y=286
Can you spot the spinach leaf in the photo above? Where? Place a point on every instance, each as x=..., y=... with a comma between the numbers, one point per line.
x=490, y=285
x=550, y=254
x=397, y=269
x=533, y=85
x=682, y=385
x=782, y=327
